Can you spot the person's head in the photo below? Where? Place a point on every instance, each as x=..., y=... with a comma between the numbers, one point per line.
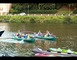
x=47, y=31
x=16, y=34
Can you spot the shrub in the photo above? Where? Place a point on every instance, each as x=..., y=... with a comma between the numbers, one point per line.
x=32, y=20
x=67, y=20
x=74, y=19
x=40, y=19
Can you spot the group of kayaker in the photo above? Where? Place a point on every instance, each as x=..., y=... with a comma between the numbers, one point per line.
x=19, y=35
x=47, y=34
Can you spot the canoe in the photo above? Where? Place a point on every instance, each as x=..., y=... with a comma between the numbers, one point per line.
x=52, y=38
x=54, y=55
x=30, y=40
x=16, y=38
x=43, y=53
x=1, y=32
x=68, y=51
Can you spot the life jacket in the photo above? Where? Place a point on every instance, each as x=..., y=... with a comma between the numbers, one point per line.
x=25, y=36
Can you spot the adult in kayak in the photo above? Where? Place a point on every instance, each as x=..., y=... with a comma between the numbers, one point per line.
x=47, y=34
x=39, y=33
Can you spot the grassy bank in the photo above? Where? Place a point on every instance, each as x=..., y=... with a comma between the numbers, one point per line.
x=40, y=19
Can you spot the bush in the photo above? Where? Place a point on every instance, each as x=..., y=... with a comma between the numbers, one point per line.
x=67, y=20
x=74, y=19
x=32, y=20
x=40, y=19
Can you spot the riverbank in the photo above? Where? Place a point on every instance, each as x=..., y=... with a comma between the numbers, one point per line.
x=39, y=19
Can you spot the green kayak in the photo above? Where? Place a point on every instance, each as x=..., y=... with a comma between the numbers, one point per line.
x=30, y=40
x=16, y=38
x=62, y=50
x=52, y=38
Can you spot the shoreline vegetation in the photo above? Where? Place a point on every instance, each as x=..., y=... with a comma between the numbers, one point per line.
x=39, y=19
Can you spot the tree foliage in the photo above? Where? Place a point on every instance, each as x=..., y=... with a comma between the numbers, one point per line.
x=24, y=7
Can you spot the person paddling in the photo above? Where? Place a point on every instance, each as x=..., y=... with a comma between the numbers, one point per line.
x=39, y=33
x=47, y=34
x=18, y=34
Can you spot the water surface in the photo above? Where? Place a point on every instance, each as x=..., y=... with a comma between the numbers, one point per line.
x=66, y=36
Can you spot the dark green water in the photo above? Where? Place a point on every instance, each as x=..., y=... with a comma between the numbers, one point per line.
x=66, y=36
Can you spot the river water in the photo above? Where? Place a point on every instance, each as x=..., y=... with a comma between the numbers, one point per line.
x=66, y=37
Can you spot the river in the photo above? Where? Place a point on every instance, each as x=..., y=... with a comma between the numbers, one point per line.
x=66, y=37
